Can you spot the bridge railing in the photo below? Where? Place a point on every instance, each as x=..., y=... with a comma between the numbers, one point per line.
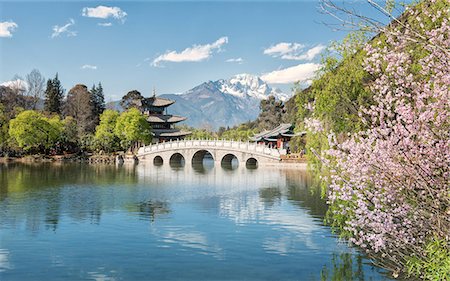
x=232, y=145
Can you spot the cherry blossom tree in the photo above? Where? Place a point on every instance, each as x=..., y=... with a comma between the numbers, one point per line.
x=389, y=187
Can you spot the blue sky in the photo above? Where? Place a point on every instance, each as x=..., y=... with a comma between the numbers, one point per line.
x=171, y=45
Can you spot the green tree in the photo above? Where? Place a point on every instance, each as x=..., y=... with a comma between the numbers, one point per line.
x=105, y=137
x=54, y=95
x=132, y=99
x=31, y=130
x=271, y=113
x=98, y=101
x=79, y=105
x=132, y=128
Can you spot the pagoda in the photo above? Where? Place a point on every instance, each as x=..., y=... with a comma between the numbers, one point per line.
x=162, y=123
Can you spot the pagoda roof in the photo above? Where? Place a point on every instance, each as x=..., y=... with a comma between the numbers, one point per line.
x=158, y=102
x=285, y=130
x=162, y=118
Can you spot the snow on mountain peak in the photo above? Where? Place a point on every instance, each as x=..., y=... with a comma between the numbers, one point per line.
x=249, y=86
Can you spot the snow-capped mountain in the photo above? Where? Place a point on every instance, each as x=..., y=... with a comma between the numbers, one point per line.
x=247, y=85
x=223, y=102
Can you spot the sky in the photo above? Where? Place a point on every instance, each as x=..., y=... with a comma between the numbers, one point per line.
x=170, y=46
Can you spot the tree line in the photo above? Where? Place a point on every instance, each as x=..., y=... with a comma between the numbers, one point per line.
x=38, y=117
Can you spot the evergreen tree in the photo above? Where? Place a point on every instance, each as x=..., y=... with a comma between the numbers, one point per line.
x=54, y=96
x=98, y=100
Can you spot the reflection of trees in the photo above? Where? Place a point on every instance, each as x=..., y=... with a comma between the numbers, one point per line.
x=150, y=209
x=37, y=192
x=344, y=267
x=303, y=191
x=270, y=195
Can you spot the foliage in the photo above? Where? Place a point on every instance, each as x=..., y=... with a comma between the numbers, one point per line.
x=389, y=182
x=4, y=123
x=12, y=102
x=335, y=98
x=197, y=133
x=32, y=130
x=132, y=127
x=242, y=132
x=79, y=105
x=105, y=137
x=54, y=95
x=271, y=113
x=435, y=263
x=98, y=101
x=132, y=99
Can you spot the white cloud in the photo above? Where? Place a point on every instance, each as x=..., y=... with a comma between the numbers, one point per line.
x=309, y=55
x=88, y=66
x=283, y=48
x=193, y=54
x=58, y=30
x=302, y=72
x=105, y=24
x=294, y=51
x=104, y=12
x=237, y=60
x=6, y=28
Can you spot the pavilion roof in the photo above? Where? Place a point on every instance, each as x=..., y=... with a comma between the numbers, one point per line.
x=158, y=102
x=162, y=118
x=285, y=129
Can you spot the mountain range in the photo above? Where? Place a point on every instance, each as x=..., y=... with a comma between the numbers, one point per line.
x=223, y=102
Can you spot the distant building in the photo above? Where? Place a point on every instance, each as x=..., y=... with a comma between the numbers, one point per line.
x=155, y=109
x=278, y=137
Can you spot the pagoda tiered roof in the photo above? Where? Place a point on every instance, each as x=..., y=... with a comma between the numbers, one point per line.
x=158, y=102
x=162, y=118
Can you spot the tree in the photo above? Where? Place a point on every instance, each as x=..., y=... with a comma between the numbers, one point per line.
x=132, y=128
x=98, y=100
x=4, y=123
x=271, y=113
x=389, y=184
x=33, y=131
x=79, y=106
x=35, y=82
x=12, y=102
x=132, y=99
x=105, y=136
x=54, y=95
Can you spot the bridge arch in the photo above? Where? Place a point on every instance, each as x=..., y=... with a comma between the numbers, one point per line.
x=158, y=160
x=177, y=160
x=200, y=155
x=229, y=160
x=251, y=163
x=189, y=151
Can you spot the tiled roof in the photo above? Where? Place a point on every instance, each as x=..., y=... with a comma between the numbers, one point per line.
x=158, y=102
x=160, y=118
x=285, y=129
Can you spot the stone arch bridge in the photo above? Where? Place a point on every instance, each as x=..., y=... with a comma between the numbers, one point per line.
x=222, y=151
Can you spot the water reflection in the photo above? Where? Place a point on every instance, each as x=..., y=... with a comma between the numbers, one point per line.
x=231, y=221
x=4, y=260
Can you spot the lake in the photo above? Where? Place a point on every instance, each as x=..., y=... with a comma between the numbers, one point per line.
x=146, y=222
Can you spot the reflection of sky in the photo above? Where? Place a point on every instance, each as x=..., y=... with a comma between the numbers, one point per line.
x=195, y=240
x=4, y=260
x=232, y=223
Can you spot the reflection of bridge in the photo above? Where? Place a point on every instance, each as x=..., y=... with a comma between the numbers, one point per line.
x=222, y=151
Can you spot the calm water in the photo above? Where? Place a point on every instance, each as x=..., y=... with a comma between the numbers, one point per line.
x=81, y=222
